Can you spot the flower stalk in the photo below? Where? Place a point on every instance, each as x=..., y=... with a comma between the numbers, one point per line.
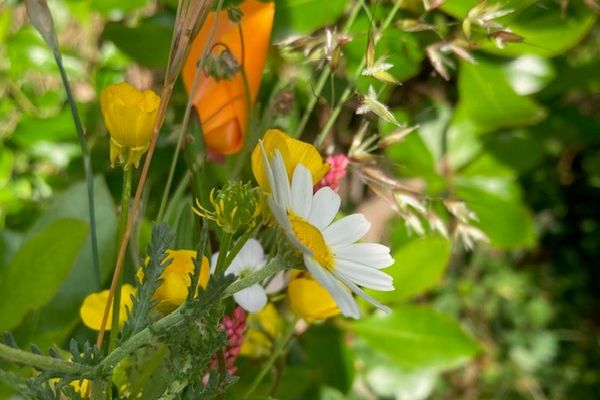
x=125, y=199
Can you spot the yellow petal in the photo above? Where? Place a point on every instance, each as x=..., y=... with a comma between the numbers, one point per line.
x=92, y=309
x=293, y=151
x=309, y=300
x=262, y=326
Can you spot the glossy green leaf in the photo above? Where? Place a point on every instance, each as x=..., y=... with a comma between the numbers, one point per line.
x=38, y=269
x=300, y=17
x=419, y=265
x=417, y=338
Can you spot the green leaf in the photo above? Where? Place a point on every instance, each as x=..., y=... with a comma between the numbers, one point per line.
x=501, y=214
x=328, y=358
x=417, y=338
x=38, y=269
x=117, y=7
x=55, y=321
x=419, y=265
x=299, y=17
x=148, y=43
x=487, y=97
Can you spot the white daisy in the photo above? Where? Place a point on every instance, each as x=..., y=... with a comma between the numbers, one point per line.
x=329, y=249
x=251, y=258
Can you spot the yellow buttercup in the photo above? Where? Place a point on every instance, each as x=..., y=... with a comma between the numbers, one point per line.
x=92, y=309
x=129, y=115
x=294, y=152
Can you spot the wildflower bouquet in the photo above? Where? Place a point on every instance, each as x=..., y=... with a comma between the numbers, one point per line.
x=256, y=158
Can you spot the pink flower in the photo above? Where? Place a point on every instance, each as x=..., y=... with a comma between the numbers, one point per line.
x=337, y=172
x=234, y=326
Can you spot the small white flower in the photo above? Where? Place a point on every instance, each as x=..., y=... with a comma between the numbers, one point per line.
x=329, y=249
x=251, y=258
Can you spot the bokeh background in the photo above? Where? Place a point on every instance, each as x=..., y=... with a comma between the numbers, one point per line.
x=514, y=132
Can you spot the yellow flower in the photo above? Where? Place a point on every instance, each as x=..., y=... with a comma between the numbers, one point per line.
x=308, y=299
x=92, y=309
x=129, y=115
x=293, y=151
x=263, y=327
x=176, y=278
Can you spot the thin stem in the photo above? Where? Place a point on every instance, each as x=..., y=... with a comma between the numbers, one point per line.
x=174, y=65
x=324, y=75
x=40, y=362
x=275, y=265
x=223, y=250
x=87, y=165
x=239, y=244
x=348, y=91
x=277, y=352
x=186, y=115
x=125, y=199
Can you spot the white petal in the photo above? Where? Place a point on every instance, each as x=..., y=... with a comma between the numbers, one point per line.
x=282, y=219
x=277, y=283
x=347, y=230
x=361, y=293
x=341, y=296
x=325, y=206
x=252, y=299
x=213, y=262
x=374, y=255
x=302, y=191
x=362, y=275
x=252, y=255
x=281, y=191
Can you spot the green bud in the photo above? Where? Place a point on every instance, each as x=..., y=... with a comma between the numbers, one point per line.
x=235, y=206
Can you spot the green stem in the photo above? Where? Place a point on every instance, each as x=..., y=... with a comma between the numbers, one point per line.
x=87, y=165
x=223, y=250
x=40, y=362
x=268, y=365
x=177, y=317
x=324, y=76
x=275, y=265
x=235, y=249
x=348, y=91
x=125, y=199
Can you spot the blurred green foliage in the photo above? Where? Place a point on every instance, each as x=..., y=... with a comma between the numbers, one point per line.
x=515, y=134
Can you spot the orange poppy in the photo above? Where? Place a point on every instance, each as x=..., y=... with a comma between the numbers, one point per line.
x=222, y=105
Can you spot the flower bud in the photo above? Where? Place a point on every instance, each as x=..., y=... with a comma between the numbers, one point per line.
x=235, y=206
x=129, y=115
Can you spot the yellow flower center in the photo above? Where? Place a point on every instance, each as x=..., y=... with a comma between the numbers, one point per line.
x=312, y=238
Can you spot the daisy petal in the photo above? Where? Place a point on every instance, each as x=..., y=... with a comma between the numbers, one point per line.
x=251, y=299
x=302, y=190
x=277, y=283
x=374, y=255
x=361, y=293
x=252, y=255
x=281, y=189
x=347, y=230
x=325, y=205
x=362, y=275
x=342, y=297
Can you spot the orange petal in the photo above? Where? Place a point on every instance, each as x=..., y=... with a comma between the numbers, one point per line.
x=222, y=105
